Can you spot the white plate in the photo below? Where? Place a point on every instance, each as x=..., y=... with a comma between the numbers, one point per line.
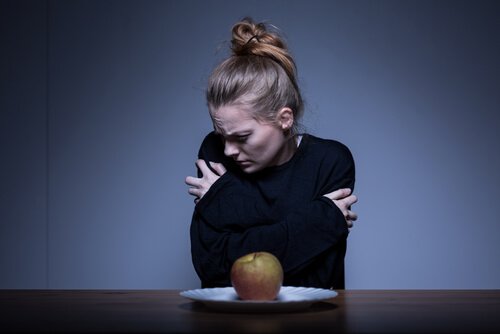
x=289, y=299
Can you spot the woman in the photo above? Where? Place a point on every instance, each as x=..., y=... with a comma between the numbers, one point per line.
x=261, y=185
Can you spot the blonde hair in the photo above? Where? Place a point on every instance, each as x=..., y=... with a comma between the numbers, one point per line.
x=260, y=74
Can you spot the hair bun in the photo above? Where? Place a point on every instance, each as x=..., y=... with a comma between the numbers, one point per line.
x=247, y=35
x=251, y=38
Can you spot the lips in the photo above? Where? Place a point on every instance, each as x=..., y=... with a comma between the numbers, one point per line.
x=243, y=162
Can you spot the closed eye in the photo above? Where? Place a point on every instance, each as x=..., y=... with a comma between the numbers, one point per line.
x=242, y=139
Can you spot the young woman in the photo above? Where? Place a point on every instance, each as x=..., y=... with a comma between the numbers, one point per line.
x=262, y=185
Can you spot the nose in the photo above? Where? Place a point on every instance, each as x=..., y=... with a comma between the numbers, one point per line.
x=230, y=149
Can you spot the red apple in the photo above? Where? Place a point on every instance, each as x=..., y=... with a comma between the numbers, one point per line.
x=257, y=276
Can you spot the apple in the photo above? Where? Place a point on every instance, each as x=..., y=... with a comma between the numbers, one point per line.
x=257, y=276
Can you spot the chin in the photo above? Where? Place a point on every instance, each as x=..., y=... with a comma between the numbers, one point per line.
x=250, y=169
x=247, y=170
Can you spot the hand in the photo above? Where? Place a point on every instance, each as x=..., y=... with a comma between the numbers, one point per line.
x=343, y=200
x=200, y=186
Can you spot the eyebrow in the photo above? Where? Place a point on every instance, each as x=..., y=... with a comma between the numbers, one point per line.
x=238, y=133
x=233, y=135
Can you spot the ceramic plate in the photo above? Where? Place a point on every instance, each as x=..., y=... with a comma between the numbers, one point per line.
x=289, y=299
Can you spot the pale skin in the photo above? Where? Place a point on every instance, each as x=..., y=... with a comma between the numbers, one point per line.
x=254, y=145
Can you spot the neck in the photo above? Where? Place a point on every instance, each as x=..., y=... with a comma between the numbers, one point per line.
x=288, y=150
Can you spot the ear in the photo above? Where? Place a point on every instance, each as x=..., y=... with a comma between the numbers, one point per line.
x=284, y=117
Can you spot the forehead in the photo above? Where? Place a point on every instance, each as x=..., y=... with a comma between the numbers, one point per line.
x=232, y=119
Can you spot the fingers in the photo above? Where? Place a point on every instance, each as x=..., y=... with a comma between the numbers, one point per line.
x=195, y=186
x=343, y=199
x=348, y=214
x=207, y=172
x=350, y=218
x=196, y=192
x=338, y=194
x=202, y=165
x=200, y=185
x=218, y=167
x=349, y=200
x=352, y=215
x=192, y=181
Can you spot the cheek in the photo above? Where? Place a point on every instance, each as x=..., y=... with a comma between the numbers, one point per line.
x=253, y=149
x=265, y=145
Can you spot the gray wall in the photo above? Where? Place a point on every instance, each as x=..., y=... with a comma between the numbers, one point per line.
x=102, y=113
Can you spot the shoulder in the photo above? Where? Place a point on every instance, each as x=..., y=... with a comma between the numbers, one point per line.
x=327, y=149
x=211, y=139
x=333, y=160
x=212, y=149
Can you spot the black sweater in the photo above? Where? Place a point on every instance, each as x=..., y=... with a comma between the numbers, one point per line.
x=280, y=210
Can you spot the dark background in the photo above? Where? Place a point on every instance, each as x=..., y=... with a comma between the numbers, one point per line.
x=102, y=112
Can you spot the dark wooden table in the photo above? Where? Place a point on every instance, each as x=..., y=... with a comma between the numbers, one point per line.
x=352, y=311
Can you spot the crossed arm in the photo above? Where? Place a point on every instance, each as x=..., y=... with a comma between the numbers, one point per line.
x=198, y=187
